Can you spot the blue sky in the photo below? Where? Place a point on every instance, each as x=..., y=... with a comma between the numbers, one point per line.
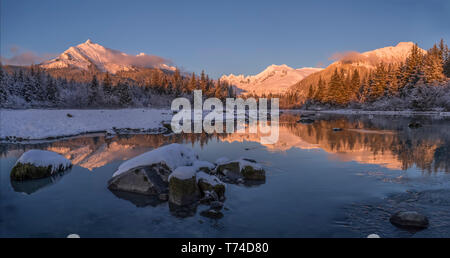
x=223, y=36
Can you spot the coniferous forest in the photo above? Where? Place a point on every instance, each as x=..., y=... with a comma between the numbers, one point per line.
x=34, y=87
x=420, y=83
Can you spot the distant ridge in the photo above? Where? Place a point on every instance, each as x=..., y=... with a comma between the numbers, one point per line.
x=275, y=79
x=90, y=55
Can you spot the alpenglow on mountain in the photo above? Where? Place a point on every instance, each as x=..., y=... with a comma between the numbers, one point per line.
x=387, y=55
x=363, y=62
x=90, y=55
x=275, y=79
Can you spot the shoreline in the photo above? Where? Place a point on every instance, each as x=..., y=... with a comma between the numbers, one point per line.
x=372, y=112
x=26, y=125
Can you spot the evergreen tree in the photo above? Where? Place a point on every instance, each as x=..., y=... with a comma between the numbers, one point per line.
x=433, y=65
x=123, y=94
x=3, y=86
x=107, y=85
x=28, y=90
x=310, y=95
x=354, y=85
x=378, y=85
x=192, y=83
x=336, y=90
x=320, y=92
x=413, y=68
x=203, y=81
x=93, y=91
x=52, y=90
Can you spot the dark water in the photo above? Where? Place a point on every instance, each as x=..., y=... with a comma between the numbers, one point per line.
x=320, y=183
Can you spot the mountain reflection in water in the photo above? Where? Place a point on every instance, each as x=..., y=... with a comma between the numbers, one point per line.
x=380, y=140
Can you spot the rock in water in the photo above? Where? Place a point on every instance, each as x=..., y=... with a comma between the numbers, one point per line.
x=183, y=188
x=204, y=166
x=35, y=164
x=216, y=205
x=148, y=180
x=252, y=173
x=209, y=183
x=414, y=125
x=409, y=219
x=306, y=121
x=245, y=168
x=230, y=166
x=173, y=155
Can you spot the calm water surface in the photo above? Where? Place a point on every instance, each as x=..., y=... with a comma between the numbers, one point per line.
x=313, y=176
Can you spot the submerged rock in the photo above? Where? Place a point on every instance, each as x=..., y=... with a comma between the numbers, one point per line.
x=306, y=121
x=409, y=219
x=183, y=211
x=414, y=125
x=216, y=205
x=212, y=214
x=183, y=188
x=147, y=180
x=35, y=164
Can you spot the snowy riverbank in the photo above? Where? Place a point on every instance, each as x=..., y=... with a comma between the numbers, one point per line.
x=34, y=124
x=373, y=112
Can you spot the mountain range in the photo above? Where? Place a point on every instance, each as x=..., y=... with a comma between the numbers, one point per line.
x=363, y=62
x=90, y=55
x=275, y=79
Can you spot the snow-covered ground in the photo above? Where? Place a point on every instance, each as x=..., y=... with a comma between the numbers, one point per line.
x=36, y=124
x=372, y=112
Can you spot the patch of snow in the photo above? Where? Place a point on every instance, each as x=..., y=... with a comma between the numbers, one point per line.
x=41, y=158
x=245, y=163
x=222, y=160
x=35, y=124
x=183, y=172
x=203, y=164
x=174, y=155
x=210, y=179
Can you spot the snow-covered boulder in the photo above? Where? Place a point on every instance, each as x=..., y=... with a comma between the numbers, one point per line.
x=172, y=155
x=149, y=172
x=183, y=188
x=208, y=183
x=251, y=170
x=147, y=180
x=242, y=168
x=35, y=164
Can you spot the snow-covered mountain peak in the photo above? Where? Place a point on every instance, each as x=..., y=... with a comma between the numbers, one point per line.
x=390, y=54
x=274, y=79
x=90, y=55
